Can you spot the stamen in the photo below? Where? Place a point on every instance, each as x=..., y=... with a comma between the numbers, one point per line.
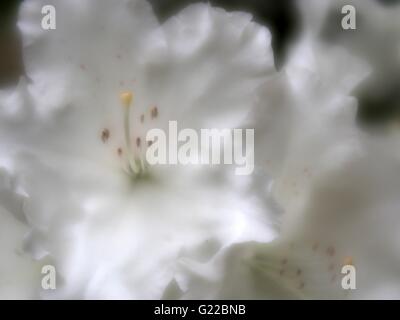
x=138, y=145
x=126, y=100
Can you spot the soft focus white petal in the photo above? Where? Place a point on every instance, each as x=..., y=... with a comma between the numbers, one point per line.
x=305, y=116
x=20, y=275
x=124, y=240
x=350, y=217
x=375, y=39
x=208, y=68
x=96, y=44
x=253, y=270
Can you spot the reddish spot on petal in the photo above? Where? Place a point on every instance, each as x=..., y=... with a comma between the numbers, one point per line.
x=82, y=66
x=307, y=172
x=138, y=142
x=330, y=251
x=119, y=151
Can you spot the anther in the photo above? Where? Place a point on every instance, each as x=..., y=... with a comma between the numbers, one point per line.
x=105, y=135
x=154, y=112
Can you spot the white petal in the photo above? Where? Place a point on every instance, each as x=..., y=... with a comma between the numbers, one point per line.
x=350, y=217
x=208, y=68
x=96, y=44
x=109, y=238
x=20, y=275
x=278, y=270
x=304, y=115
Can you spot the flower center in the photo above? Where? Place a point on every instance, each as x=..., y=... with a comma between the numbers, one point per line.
x=135, y=163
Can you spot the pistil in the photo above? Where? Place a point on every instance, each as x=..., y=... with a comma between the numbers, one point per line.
x=126, y=101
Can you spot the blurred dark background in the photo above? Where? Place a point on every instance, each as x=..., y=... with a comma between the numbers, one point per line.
x=282, y=18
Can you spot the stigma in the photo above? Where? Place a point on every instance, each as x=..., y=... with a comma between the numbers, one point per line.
x=126, y=98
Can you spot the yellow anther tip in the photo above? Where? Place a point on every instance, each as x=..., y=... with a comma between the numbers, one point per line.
x=348, y=261
x=126, y=98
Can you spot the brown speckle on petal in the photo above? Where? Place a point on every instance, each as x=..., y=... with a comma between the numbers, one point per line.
x=330, y=251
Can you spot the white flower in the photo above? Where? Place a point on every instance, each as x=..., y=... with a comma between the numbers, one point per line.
x=62, y=132
x=338, y=187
